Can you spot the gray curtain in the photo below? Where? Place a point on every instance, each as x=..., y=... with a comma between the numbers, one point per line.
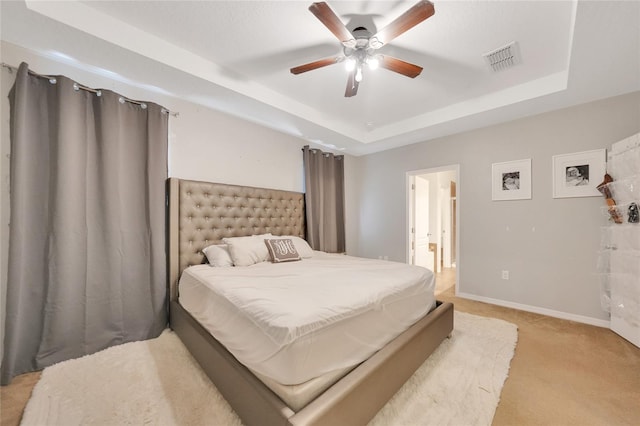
x=87, y=231
x=324, y=200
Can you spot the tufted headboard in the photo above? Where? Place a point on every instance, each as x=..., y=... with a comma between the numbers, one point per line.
x=203, y=213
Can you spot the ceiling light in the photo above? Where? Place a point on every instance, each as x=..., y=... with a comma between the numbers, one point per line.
x=350, y=64
x=373, y=62
x=359, y=75
x=374, y=43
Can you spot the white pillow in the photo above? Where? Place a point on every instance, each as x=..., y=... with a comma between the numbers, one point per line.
x=218, y=255
x=302, y=246
x=246, y=251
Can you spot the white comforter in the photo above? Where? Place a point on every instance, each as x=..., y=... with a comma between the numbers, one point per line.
x=297, y=320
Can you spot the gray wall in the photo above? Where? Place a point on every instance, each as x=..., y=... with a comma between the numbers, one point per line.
x=552, y=268
x=548, y=245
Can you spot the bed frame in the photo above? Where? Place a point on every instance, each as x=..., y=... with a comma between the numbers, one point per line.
x=202, y=213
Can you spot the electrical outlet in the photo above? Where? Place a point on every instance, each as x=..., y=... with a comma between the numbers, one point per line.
x=505, y=275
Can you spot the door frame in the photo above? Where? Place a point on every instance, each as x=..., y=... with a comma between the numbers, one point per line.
x=409, y=180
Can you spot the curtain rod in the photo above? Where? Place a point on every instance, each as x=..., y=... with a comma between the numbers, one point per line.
x=78, y=86
x=338, y=156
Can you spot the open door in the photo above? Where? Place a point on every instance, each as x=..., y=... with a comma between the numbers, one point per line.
x=423, y=257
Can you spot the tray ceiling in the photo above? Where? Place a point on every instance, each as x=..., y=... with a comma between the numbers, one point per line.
x=235, y=56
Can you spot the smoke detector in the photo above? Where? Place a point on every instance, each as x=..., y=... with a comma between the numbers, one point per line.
x=503, y=57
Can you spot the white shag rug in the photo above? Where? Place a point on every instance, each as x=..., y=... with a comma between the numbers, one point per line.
x=157, y=382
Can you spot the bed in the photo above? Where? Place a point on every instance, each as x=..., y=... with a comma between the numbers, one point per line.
x=201, y=214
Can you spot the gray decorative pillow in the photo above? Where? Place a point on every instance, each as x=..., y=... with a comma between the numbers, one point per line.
x=302, y=246
x=282, y=250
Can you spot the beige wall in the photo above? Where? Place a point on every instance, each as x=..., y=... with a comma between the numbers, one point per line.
x=548, y=245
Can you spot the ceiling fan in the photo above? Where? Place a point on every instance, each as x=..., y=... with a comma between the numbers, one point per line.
x=360, y=46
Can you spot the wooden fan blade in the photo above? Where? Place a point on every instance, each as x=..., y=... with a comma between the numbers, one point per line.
x=412, y=17
x=352, y=85
x=323, y=12
x=315, y=65
x=399, y=66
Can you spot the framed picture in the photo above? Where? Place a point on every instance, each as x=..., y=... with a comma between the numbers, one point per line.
x=511, y=180
x=578, y=174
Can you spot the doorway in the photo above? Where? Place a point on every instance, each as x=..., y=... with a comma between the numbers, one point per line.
x=433, y=222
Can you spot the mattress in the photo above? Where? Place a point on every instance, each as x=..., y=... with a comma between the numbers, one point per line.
x=295, y=321
x=298, y=396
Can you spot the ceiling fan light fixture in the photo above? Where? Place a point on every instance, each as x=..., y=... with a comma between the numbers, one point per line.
x=373, y=62
x=350, y=64
x=374, y=43
x=349, y=44
x=359, y=45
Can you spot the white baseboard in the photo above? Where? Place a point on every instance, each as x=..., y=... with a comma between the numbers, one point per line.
x=537, y=310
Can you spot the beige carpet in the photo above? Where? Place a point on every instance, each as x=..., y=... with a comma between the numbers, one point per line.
x=144, y=383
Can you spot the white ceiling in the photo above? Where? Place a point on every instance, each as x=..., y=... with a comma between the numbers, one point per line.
x=235, y=56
